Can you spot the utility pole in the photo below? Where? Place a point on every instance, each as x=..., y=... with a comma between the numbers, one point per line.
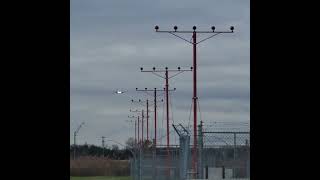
x=102, y=146
x=142, y=126
x=155, y=118
x=137, y=111
x=74, y=140
x=135, y=131
x=195, y=98
x=74, y=145
x=138, y=131
x=147, y=105
x=166, y=77
x=147, y=120
x=155, y=109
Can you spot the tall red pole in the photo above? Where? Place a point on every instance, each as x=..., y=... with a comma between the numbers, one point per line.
x=155, y=117
x=147, y=120
x=167, y=97
x=194, y=101
x=138, y=130
x=142, y=126
x=167, y=103
x=195, y=98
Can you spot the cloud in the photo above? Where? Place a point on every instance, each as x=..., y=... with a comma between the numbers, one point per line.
x=111, y=40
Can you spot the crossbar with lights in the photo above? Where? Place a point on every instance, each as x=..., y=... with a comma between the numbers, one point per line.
x=194, y=43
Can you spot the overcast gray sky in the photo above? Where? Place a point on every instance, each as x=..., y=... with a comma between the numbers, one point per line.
x=111, y=40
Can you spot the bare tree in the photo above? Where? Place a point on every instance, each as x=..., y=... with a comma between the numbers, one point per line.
x=115, y=147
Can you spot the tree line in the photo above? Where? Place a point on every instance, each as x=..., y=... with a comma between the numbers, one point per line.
x=112, y=152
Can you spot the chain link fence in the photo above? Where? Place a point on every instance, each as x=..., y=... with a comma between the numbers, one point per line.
x=220, y=155
x=156, y=164
x=228, y=151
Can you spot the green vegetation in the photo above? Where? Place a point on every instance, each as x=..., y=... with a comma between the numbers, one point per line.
x=102, y=178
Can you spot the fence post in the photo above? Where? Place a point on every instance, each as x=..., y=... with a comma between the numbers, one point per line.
x=139, y=164
x=136, y=165
x=248, y=168
x=154, y=173
x=200, y=148
x=131, y=166
x=184, y=155
x=223, y=172
x=234, y=153
x=207, y=173
x=248, y=159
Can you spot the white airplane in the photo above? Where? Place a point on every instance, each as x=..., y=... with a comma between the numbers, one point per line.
x=119, y=92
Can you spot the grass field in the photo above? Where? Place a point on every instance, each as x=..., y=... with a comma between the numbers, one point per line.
x=102, y=178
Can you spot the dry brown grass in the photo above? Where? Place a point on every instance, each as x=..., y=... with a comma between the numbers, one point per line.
x=98, y=166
